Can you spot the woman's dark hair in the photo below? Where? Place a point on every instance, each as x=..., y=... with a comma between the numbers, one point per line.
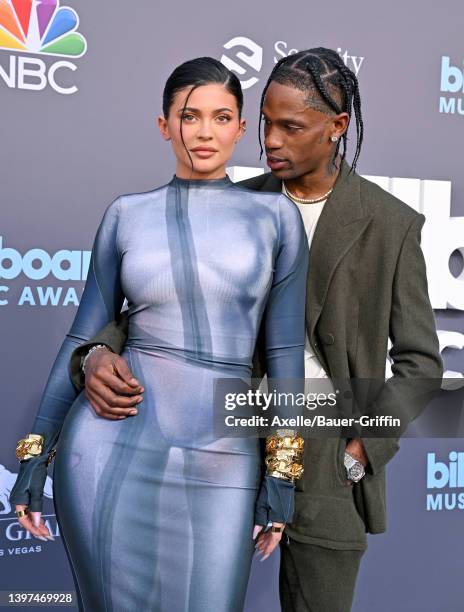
x=195, y=73
x=331, y=87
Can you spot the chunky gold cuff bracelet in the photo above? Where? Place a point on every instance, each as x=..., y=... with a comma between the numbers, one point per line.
x=276, y=443
x=30, y=446
x=284, y=455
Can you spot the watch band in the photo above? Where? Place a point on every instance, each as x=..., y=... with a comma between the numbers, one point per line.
x=90, y=351
x=354, y=469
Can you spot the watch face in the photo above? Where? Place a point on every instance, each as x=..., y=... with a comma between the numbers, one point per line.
x=356, y=471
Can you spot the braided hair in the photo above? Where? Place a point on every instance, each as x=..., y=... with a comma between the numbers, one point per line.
x=331, y=87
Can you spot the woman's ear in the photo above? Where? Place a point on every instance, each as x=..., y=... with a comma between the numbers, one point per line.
x=241, y=130
x=163, y=127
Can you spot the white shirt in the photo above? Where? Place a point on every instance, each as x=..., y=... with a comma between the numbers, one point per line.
x=310, y=214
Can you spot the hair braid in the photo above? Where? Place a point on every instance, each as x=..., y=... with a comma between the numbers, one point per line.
x=283, y=60
x=312, y=65
x=355, y=102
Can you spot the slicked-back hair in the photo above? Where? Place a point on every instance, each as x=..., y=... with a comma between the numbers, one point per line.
x=331, y=88
x=195, y=73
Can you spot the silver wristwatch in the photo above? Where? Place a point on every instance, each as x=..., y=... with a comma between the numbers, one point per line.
x=90, y=351
x=354, y=468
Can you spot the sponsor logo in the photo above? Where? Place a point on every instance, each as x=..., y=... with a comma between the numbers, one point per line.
x=250, y=55
x=451, y=82
x=11, y=529
x=448, y=478
x=253, y=59
x=354, y=62
x=37, y=264
x=39, y=27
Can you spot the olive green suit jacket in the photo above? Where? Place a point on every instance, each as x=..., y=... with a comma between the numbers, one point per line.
x=366, y=283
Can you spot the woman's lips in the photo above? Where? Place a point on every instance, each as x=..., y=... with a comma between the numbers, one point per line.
x=204, y=153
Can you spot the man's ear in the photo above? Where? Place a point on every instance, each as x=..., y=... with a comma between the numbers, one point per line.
x=163, y=127
x=339, y=125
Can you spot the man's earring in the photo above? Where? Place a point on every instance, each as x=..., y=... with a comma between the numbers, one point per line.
x=334, y=138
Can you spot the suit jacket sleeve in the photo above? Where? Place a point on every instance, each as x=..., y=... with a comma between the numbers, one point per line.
x=417, y=366
x=113, y=335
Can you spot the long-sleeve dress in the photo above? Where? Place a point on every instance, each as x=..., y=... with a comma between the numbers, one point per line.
x=156, y=511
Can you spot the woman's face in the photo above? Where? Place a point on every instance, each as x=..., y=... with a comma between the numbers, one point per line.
x=210, y=128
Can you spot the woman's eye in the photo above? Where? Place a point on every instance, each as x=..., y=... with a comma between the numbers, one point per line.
x=223, y=118
x=293, y=128
x=187, y=117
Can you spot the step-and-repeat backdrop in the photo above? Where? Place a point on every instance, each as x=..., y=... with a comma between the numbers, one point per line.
x=80, y=90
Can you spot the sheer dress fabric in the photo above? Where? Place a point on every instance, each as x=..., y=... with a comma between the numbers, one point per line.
x=156, y=512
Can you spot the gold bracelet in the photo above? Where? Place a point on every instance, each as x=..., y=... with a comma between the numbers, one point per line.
x=284, y=455
x=30, y=446
x=275, y=443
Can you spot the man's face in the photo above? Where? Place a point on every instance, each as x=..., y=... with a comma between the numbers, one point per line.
x=297, y=138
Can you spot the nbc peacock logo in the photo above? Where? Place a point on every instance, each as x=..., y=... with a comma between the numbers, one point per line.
x=38, y=27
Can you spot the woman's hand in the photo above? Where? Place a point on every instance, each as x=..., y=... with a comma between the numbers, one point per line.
x=267, y=540
x=110, y=386
x=34, y=523
x=274, y=505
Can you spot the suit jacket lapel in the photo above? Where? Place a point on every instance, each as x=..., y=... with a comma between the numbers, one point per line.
x=341, y=223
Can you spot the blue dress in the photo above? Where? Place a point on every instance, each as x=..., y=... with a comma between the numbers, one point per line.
x=156, y=511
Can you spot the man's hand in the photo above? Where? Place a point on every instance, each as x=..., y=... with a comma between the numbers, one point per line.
x=110, y=386
x=355, y=448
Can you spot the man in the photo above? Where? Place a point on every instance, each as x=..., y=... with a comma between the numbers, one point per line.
x=366, y=283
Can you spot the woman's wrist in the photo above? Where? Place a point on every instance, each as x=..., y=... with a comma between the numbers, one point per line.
x=284, y=456
x=29, y=446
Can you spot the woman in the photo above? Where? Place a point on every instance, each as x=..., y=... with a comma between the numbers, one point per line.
x=157, y=512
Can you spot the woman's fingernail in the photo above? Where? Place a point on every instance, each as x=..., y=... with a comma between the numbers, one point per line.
x=42, y=538
x=140, y=400
x=134, y=381
x=50, y=537
x=133, y=412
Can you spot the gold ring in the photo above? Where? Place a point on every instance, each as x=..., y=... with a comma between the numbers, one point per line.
x=21, y=513
x=277, y=529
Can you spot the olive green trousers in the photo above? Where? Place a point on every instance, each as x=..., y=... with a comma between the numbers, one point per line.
x=317, y=579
